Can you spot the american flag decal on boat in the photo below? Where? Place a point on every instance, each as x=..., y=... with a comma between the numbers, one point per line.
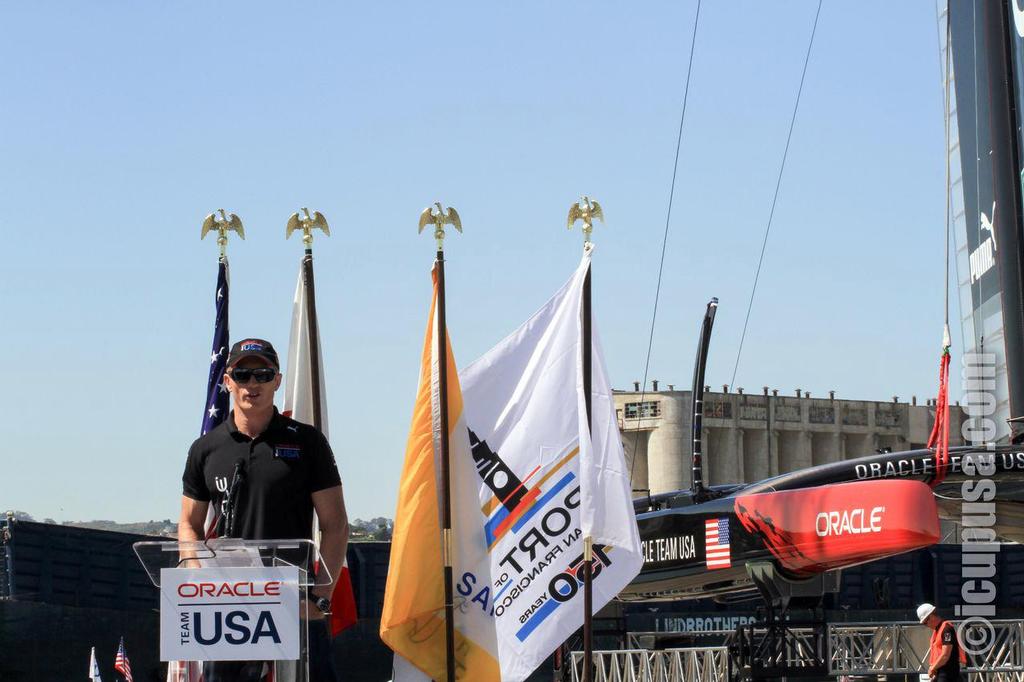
x=716, y=543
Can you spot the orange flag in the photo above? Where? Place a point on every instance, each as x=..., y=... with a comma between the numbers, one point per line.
x=412, y=623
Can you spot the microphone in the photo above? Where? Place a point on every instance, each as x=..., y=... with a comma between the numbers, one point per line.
x=232, y=500
x=239, y=464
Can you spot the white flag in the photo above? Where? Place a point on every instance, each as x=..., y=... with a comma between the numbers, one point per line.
x=298, y=404
x=537, y=483
x=94, y=668
x=298, y=385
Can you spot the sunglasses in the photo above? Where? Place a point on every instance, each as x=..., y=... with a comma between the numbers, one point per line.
x=262, y=375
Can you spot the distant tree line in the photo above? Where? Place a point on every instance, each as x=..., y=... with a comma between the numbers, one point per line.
x=375, y=529
x=166, y=527
x=19, y=515
x=378, y=529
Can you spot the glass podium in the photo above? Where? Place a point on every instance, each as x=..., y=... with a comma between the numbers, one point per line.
x=223, y=600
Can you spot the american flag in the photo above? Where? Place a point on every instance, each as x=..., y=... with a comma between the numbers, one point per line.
x=121, y=663
x=216, y=408
x=716, y=543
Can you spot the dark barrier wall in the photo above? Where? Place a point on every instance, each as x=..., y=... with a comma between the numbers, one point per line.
x=50, y=642
x=73, y=567
x=368, y=567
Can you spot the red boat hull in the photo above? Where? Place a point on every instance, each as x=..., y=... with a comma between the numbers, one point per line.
x=826, y=527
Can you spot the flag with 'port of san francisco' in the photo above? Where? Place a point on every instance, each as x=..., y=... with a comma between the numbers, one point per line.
x=716, y=543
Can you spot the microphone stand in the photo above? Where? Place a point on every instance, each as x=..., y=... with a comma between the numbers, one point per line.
x=228, y=520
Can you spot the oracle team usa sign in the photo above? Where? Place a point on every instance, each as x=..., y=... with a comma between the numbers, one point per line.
x=229, y=614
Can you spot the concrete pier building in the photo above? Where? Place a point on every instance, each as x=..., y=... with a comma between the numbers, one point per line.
x=748, y=437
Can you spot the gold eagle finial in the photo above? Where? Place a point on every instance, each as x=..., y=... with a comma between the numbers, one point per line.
x=222, y=223
x=307, y=222
x=586, y=209
x=438, y=216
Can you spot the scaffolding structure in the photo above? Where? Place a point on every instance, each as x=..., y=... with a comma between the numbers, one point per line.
x=706, y=664
x=853, y=650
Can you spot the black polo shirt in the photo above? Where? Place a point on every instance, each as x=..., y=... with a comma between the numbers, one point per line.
x=282, y=467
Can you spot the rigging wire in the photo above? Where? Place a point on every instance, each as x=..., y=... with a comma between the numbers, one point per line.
x=664, y=242
x=946, y=77
x=938, y=40
x=978, y=340
x=778, y=184
x=940, y=431
x=945, y=108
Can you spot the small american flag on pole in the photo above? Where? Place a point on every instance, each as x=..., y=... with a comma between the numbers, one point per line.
x=121, y=663
x=716, y=543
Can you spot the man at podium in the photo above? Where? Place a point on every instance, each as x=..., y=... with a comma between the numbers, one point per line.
x=264, y=475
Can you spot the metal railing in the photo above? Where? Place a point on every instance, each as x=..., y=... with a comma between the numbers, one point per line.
x=707, y=664
x=854, y=649
x=902, y=648
x=870, y=649
x=778, y=651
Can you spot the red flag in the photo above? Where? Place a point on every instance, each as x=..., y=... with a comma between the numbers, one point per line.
x=939, y=438
x=343, y=603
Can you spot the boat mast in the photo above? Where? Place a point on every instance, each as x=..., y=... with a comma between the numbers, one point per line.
x=697, y=394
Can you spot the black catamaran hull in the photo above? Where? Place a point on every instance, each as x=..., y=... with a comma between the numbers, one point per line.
x=818, y=519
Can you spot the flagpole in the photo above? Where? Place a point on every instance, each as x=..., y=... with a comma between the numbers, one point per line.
x=586, y=210
x=314, y=335
x=439, y=217
x=217, y=404
x=307, y=222
x=588, y=541
x=446, y=510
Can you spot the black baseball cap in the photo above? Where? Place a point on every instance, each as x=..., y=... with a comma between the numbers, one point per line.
x=254, y=348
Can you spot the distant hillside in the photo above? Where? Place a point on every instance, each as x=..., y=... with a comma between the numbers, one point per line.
x=166, y=528
x=376, y=529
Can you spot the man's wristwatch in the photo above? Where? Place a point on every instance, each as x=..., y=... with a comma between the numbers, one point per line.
x=322, y=603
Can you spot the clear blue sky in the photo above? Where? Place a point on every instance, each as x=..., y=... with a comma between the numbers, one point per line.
x=123, y=124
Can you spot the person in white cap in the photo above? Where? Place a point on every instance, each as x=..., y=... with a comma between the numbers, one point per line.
x=945, y=655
